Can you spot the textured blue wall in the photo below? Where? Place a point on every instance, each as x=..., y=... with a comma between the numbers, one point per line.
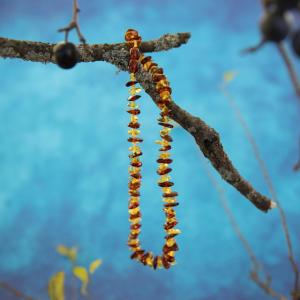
x=63, y=152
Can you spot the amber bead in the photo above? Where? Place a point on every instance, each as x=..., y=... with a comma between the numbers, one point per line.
x=159, y=71
x=135, y=216
x=135, y=53
x=134, y=125
x=164, y=113
x=133, y=66
x=166, y=184
x=145, y=59
x=164, y=89
x=133, y=205
x=131, y=34
x=169, y=258
x=134, y=193
x=136, y=175
x=171, y=204
x=170, y=195
x=166, y=137
x=155, y=262
x=151, y=65
x=167, y=249
x=133, y=155
x=133, y=236
x=163, y=172
x=136, y=254
x=144, y=258
x=134, y=97
x=134, y=185
x=130, y=83
x=165, y=148
x=165, y=263
x=134, y=140
x=158, y=77
x=134, y=111
x=164, y=160
x=135, y=226
x=167, y=125
x=136, y=164
x=168, y=226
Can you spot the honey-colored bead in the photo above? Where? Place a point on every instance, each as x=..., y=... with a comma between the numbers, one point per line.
x=134, y=90
x=135, y=221
x=165, y=155
x=162, y=83
x=131, y=34
x=170, y=242
x=133, y=211
x=173, y=231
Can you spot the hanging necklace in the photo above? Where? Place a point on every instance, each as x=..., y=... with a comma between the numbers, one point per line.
x=167, y=258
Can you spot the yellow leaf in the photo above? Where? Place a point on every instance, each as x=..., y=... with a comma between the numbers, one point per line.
x=229, y=76
x=56, y=286
x=63, y=250
x=70, y=253
x=82, y=274
x=95, y=265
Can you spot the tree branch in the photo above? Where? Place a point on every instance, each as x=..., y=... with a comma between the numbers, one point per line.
x=117, y=54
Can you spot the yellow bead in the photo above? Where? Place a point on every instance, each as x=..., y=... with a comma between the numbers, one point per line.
x=147, y=65
x=134, y=90
x=167, y=190
x=172, y=253
x=134, y=132
x=135, y=149
x=133, y=119
x=170, y=242
x=134, y=211
x=164, y=155
x=135, y=231
x=149, y=260
x=169, y=200
x=132, y=77
x=164, y=178
x=159, y=262
x=135, y=221
x=173, y=231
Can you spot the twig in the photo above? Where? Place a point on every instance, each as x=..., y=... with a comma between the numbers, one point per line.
x=257, y=267
x=6, y=286
x=73, y=24
x=254, y=48
x=290, y=67
x=297, y=165
x=269, y=184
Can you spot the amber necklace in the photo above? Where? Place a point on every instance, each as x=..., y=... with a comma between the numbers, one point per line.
x=167, y=258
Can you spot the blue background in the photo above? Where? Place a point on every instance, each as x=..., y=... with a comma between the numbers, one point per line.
x=64, y=154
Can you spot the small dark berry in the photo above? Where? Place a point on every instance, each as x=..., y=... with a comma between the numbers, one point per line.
x=66, y=55
x=296, y=42
x=274, y=27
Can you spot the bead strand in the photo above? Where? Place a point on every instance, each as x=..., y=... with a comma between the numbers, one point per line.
x=169, y=196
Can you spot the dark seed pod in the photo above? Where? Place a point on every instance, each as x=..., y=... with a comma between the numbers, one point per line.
x=296, y=42
x=66, y=55
x=274, y=27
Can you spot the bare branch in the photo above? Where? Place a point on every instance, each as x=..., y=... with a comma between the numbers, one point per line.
x=73, y=24
x=254, y=48
x=18, y=294
x=257, y=266
x=290, y=67
x=269, y=184
x=117, y=54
